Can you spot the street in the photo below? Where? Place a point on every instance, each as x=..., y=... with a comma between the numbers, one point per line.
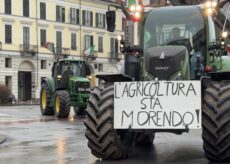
x=32, y=138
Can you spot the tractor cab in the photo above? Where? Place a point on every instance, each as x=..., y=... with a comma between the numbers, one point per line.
x=73, y=70
x=172, y=37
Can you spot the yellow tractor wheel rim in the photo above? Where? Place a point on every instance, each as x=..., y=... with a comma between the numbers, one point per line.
x=44, y=103
x=57, y=104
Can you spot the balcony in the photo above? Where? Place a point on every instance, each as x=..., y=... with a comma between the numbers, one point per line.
x=28, y=50
x=90, y=57
x=62, y=52
x=114, y=57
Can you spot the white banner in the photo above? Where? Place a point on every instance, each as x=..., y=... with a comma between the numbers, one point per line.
x=157, y=105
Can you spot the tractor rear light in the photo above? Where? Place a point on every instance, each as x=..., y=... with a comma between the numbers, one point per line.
x=208, y=69
x=228, y=48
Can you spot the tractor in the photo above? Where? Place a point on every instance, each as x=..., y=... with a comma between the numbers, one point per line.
x=192, y=53
x=68, y=86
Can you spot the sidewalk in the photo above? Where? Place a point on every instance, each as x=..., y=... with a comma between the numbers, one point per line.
x=2, y=138
x=29, y=102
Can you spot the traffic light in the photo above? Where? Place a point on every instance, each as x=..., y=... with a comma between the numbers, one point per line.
x=111, y=20
x=135, y=8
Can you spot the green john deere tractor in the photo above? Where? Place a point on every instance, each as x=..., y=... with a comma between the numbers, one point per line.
x=175, y=43
x=68, y=86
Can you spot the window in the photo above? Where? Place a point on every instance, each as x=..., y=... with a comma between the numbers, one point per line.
x=100, y=44
x=8, y=82
x=26, y=37
x=26, y=8
x=124, y=24
x=100, y=20
x=88, y=41
x=8, y=62
x=8, y=34
x=114, y=48
x=87, y=18
x=42, y=10
x=42, y=37
x=60, y=14
x=100, y=67
x=73, y=41
x=59, y=42
x=74, y=16
x=7, y=6
x=43, y=78
x=43, y=64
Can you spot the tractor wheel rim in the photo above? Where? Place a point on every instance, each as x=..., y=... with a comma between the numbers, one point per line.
x=57, y=104
x=44, y=103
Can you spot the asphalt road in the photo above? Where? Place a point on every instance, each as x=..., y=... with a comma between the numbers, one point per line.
x=32, y=138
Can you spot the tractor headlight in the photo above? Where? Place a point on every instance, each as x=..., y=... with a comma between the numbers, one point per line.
x=58, y=77
x=89, y=77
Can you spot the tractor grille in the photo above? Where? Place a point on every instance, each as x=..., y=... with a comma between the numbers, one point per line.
x=82, y=87
x=162, y=62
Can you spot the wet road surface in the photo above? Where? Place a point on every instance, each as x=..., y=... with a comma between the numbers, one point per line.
x=32, y=138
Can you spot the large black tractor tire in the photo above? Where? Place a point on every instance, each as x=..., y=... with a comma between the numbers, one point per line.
x=79, y=111
x=104, y=141
x=62, y=104
x=216, y=122
x=45, y=96
x=145, y=139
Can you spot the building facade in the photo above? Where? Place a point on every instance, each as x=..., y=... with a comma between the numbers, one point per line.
x=73, y=26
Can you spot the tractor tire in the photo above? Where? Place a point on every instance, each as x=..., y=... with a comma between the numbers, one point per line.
x=79, y=111
x=62, y=104
x=104, y=141
x=145, y=139
x=45, y=96
x=216, y=122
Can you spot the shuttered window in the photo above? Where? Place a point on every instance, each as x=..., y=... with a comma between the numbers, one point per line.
x=88, y=41
x=73, y=41
x=7, y=6
x=87, y=18
x=59, y=42
x=26, y=37
x=42, y=10
x=8, y=34
x=42, y=37
x=114, y=48
x=100, y=20
x=100, y=44
x=74, y=16
x=26, y=8
x=60, y=14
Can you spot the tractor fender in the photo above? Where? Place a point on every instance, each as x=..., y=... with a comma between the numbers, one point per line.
x=108, y=78
x=50, y=83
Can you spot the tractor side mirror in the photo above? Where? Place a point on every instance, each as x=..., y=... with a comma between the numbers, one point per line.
x=111, y=20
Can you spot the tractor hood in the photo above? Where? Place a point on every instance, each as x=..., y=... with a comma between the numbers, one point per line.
x=79, y=84
x=163, y=62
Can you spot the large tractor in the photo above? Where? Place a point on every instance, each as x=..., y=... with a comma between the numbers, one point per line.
x=175, y=44
x=68, y=86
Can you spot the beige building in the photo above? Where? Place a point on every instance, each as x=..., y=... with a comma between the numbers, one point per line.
x=72, y=25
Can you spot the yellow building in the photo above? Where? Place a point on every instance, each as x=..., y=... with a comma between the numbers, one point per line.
x=72, y=25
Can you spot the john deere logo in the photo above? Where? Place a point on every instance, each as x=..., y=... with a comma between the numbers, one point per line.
x=162, y=55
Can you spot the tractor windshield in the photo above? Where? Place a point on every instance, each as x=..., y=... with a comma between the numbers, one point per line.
x=74, y=68
x=175, y=26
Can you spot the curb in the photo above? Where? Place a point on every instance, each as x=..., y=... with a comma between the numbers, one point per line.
x=22, y=104
x=2, y=138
